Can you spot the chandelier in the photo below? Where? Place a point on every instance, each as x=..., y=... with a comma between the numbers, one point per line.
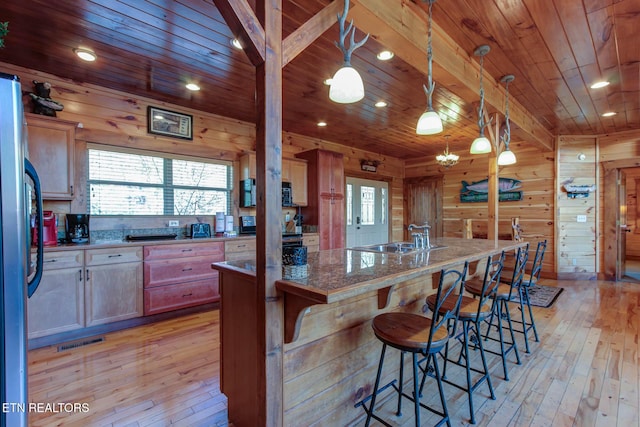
x=447, y=159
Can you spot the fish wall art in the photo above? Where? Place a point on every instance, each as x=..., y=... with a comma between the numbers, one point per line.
x=478, y=191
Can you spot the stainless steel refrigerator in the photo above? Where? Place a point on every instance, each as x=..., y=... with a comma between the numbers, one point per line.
x=19, y=275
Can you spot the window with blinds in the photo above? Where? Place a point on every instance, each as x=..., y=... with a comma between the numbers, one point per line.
x=138, y=183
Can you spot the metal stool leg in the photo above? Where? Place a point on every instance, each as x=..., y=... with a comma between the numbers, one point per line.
x=375, y=387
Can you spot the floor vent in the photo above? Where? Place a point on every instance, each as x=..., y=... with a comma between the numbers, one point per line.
x=76, y=344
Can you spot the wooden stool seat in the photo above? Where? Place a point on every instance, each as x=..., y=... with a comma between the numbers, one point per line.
x=468, y=306
x=407, y=331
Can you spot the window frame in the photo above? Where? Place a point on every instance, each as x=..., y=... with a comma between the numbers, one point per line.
x=167, y=187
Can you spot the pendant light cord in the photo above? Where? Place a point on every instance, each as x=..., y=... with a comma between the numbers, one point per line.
x=428, y=90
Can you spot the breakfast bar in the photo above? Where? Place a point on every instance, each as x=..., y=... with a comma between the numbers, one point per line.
x=329, y=351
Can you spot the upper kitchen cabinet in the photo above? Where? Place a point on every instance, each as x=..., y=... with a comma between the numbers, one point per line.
x=51, y=150
x=326, y=207
x=294, y=171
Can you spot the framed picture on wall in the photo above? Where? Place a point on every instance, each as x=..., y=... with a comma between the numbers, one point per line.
x=169, y=123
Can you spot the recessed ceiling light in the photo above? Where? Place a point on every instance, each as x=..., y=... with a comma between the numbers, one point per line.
x=192, y=86
x=236, y=43
x=328, y=82
x=385, y=55
x=85, y=54
x=322, y=124
x=600, y=84
x=380, y=104
x=609, y=114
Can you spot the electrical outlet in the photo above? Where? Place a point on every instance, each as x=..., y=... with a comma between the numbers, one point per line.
x=581, y=218
x=174, y=223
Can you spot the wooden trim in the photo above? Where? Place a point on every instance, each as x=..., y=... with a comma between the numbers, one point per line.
x=610, y=219
x=244, y=24
x=308, y=32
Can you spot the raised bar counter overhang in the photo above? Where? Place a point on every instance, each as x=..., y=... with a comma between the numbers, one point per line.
x=339, y=274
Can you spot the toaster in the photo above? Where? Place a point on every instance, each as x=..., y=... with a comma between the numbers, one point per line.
x=200, y=230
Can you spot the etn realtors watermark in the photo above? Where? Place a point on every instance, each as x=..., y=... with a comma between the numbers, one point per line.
x=45, y=407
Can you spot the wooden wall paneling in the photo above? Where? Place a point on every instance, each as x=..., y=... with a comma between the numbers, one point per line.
x=576, y=248
x=327, y=345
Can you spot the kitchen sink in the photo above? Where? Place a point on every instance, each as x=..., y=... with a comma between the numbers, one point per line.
x=396, y=247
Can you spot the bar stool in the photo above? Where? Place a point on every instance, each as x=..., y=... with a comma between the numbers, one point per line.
x=523, y=293
x=500, y=309
x=418, y=335
x=472, y=312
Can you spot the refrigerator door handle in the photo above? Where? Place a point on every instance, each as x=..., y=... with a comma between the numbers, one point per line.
x=33, y=283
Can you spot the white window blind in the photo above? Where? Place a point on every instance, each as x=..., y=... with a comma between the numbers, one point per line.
x=133, y=183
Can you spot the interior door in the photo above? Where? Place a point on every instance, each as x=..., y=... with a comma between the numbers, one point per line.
x=423, y=203
x=367, y=212
x=622, y=229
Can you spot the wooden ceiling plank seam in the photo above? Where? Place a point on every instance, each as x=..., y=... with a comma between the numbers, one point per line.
x=244, y=24
x=576, y=26
x=407, y=23
x=625, y=25
x=551, y=29
x=308, y=32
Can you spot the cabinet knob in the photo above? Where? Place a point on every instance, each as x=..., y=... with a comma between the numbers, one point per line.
x=187, y=269
x=187, y=295
x=71, y=188
x=115, y=256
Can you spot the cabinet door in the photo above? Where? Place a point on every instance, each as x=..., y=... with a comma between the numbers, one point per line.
x=248, y=166
x=51, y=150
x=337, y=175
x=58, y=305
x=298, y=179
x=113, y=292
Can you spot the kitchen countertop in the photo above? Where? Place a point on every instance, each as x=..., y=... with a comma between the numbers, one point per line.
x=339, y=274
x=119, y=243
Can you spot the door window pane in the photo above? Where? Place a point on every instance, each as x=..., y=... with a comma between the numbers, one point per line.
x=349, y=204
x=367, y=205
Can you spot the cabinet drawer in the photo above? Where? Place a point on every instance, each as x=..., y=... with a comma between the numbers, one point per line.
x=215, y=250
x=170, y=271
x=311, y=240
x=173, y=297
x=245, y=245
x=61, y=259
x=113, y=255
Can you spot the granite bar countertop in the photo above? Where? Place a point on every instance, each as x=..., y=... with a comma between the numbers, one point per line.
x=338, y=274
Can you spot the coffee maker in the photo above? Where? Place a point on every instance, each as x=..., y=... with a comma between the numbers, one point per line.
x=77, y=228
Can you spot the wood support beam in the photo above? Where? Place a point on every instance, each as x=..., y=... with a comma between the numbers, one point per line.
x=402, y=26
x=269, y=212
x=244, y=24
x=308, y=32
x=494, y=197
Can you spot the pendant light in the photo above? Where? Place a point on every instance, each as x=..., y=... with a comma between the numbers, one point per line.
x=506, y=157
x=481, y=144
x=429, y=122
x=346, y=85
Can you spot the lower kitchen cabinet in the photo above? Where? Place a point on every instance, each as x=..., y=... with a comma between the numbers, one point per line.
x=113, y=285
x=58, y=303
x=180, y=275
x=235, y=250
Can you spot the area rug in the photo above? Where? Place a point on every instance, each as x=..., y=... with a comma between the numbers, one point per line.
x=543, y=296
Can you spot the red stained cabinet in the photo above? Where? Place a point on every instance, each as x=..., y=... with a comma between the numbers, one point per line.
x=180, y=275
x=326, y=202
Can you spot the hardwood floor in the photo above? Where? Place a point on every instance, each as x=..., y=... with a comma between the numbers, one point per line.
x=584, y=371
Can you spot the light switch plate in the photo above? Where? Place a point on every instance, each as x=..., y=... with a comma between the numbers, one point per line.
x=581, y=218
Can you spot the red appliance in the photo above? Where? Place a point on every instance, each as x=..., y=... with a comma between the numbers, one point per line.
x=49, y=229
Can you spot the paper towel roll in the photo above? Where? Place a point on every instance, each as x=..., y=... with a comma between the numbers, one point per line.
x=220, y=222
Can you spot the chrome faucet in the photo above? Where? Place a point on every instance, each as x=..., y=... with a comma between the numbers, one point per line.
x=420, y=240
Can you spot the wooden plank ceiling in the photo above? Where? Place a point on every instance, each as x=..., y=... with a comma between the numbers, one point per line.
x=555, y=49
